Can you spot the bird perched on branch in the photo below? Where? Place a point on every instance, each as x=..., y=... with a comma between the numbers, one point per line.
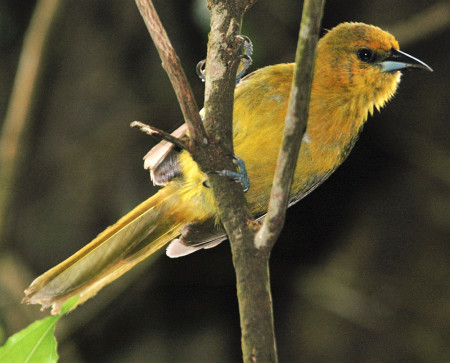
x=357, y=70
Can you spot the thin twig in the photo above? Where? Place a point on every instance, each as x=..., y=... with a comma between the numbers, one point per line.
x=295, y=123
x=154, y=131
x=15, y=126
x=172, y=66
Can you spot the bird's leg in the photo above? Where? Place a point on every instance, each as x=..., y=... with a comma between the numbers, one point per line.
x=240, y=176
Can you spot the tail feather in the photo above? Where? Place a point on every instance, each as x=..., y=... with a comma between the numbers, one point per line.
x=113, y=252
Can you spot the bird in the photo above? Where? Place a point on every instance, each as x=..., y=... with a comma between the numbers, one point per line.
x=357, y=70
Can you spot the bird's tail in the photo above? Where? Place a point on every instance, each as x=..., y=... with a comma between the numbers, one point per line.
x=141, y=232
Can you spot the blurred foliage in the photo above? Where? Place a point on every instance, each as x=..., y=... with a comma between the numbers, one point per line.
x=361, y=271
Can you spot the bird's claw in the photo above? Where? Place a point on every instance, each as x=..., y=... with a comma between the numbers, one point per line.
x=200, y=70
x=240, y=176
x=245, y=57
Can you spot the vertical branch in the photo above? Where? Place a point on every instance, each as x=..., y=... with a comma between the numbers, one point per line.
x=295, y=123
x=221, y=65
x=23, y=93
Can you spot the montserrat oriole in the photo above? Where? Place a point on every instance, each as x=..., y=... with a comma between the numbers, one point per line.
x=357, y=70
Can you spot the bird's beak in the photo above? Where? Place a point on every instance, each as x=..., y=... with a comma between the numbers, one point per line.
x=398, y=60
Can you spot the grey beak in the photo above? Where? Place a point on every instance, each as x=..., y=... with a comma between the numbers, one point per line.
x=398, y=60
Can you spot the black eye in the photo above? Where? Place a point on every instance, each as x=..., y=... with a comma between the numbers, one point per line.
x=366, y=55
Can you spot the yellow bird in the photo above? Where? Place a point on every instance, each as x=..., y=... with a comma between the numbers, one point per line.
x=357, y=70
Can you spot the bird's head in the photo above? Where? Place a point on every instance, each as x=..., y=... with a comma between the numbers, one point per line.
x=363, y=62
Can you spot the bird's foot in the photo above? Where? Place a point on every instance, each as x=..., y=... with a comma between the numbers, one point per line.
x=240, y=176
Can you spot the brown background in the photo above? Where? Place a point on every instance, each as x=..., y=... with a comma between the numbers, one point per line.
x=361, y=271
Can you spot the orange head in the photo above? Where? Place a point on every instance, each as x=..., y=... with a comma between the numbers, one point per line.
x=361, y=62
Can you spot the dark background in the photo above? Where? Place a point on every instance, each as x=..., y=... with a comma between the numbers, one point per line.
x=361, y=270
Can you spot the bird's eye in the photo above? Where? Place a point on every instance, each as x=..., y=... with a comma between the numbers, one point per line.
x=366, y=55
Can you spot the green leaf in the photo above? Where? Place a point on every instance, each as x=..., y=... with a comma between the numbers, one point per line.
x=35, y=343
